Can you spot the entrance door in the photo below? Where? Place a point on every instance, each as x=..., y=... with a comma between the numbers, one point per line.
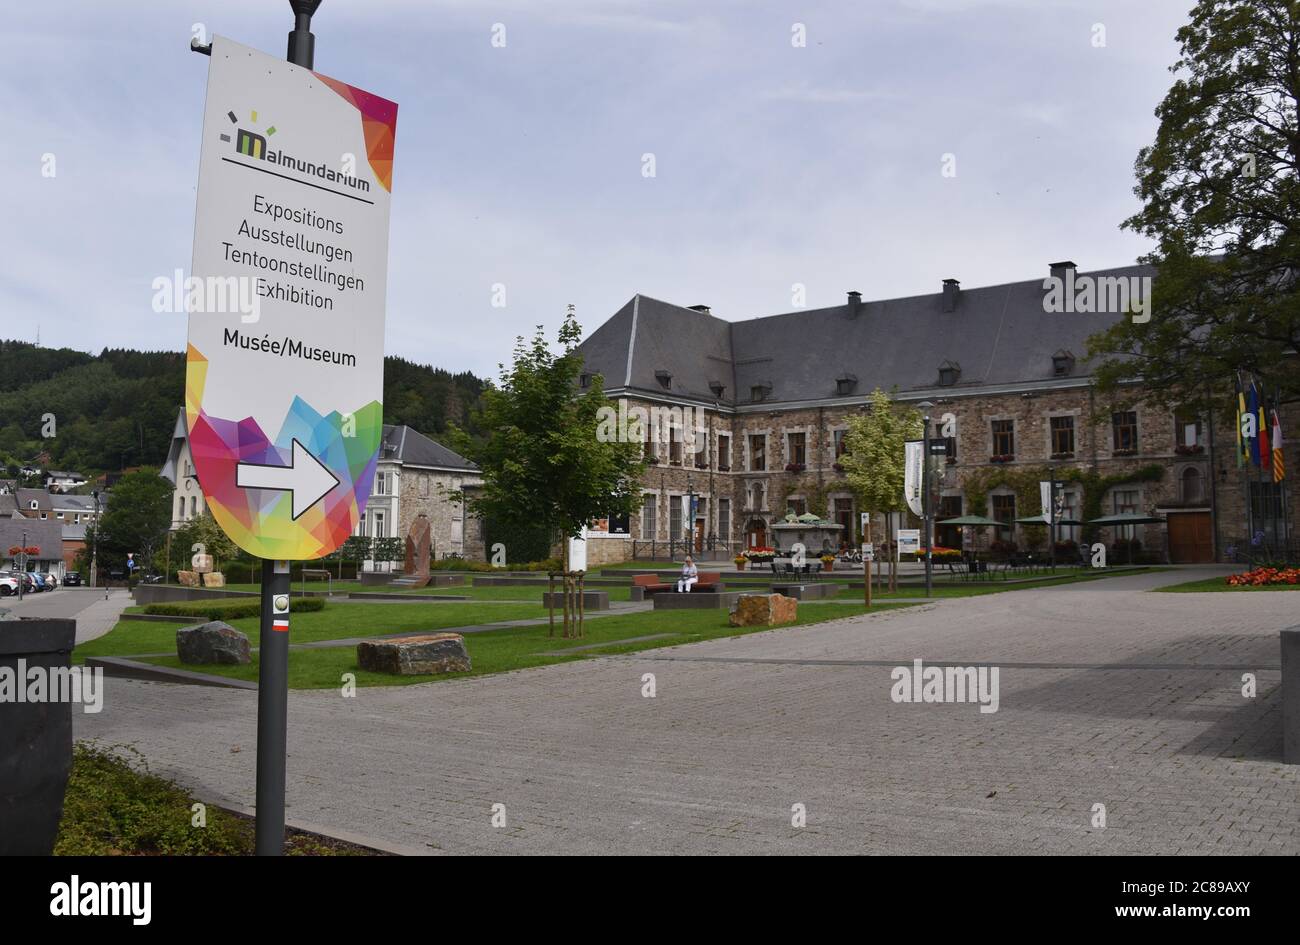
x=1190, y=539
x=756, y=532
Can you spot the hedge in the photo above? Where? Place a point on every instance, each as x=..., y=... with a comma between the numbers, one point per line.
x=229, y=609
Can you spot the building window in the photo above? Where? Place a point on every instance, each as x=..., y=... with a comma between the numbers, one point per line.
x=1004, y=438
x=950, y=448
x=797, y=506
x=380, y=530
x=648, y=509
x=424, y=485
x=584, y=381
x=949, y=372
x=1004, y=510
x=648, y=448
x=674, y=446
x=1062, y=436
x=724, y=453
x=724, y=519
x=1126, y=503
x=701, y=449
x=381, y=483
x=1188, y=433
x=194, y=506
x=758, y=452
x=837, y=437
x=844, y=517
x=675, y=518
x=1266, y=514
x=180, y=509
x=1124, y=426
x=798, y=451
x=1191, y=486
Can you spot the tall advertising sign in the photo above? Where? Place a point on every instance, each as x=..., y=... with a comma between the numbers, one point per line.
x=285, y=363
x=913, y=474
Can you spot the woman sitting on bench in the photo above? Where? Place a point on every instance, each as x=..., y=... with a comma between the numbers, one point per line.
x=690, y=575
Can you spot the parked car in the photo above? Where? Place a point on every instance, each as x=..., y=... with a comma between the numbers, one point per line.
x=72, y=579
x=41, y=584
x=50, y=579
x=29, y=583
x=8, y=584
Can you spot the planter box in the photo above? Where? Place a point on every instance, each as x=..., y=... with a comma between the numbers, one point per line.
x=35, y=740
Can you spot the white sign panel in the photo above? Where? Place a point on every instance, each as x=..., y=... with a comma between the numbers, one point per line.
x=284, y=381
x=909, y=541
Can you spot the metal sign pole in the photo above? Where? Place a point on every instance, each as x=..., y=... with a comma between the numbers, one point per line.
x=273, y=647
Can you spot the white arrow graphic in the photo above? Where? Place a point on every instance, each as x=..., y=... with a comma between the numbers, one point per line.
x=305, y=476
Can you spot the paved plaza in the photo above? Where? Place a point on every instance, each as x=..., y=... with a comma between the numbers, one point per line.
x=1108, y=695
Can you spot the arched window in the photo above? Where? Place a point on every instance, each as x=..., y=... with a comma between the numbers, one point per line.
x=1193, y=485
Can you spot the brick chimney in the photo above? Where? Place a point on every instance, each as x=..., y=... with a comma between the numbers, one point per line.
x=1058, y=269
x=855, y=304
x=951, y=290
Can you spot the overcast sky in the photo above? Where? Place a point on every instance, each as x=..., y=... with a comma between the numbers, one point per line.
x=522, y=165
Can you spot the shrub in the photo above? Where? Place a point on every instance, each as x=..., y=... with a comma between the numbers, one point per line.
x=1261, y=577
x=229, y=609
x=112, y=808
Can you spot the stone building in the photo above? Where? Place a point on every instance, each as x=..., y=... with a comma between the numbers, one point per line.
x=416, y=476
x=1005, y=375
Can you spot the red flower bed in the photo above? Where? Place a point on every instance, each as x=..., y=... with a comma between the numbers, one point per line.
x=1259, y=577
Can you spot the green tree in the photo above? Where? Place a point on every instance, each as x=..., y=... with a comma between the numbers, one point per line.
x=136, y=520
x=205, y=531
x=874, y=457
x=1221, y=200
x=543, y=464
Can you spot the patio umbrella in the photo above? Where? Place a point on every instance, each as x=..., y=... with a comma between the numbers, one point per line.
x=969, y=520
x=1038, y=520
x=1126, y=518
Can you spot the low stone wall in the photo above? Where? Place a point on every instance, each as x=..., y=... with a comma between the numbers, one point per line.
x=591, y=600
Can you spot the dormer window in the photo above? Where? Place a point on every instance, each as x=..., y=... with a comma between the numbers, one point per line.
x=665, y=379
x=717, y=388
x=759, y=392
x=584, y=381
x=949, y=372
x=845, y=384
x=1062, y=364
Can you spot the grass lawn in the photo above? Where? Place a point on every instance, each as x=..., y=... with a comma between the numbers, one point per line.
x=533, y=594
x=497, y=651
x=335, y=622
x=1221, y=584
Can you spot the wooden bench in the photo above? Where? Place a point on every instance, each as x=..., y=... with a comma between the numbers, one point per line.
x=650, y=584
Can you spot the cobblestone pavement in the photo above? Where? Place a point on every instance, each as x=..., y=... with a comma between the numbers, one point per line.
x=1108, y=695
x=97, y=610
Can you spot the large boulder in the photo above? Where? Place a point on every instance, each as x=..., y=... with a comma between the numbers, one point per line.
x=211, y=643
x=214, y=579
x=763, y=610
x=415, y=656
x=188, y=578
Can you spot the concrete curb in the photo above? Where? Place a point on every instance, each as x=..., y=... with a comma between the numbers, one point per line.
x=121, y=668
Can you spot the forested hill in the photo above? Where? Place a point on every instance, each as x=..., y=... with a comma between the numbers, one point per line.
x=118, y=408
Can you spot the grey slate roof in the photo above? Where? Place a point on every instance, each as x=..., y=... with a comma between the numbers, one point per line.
x=39, y=496
x=998, y=335
x=415, y=449
x=46, y=535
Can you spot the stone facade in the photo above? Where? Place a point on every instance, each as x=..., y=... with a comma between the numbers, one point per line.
x=737, y=501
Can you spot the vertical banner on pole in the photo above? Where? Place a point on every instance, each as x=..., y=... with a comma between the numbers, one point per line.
x=914, y=474
x=285, y=364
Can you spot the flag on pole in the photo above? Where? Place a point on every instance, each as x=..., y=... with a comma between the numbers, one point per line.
x=1250, y=423
x=1241, y=411
x=1265, y=452
x=1279, y=467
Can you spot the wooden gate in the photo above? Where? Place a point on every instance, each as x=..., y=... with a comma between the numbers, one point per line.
x=1190, y=540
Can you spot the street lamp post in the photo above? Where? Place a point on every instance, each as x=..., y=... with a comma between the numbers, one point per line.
x=926, y=511
x=22, y=567
x=94, y=540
